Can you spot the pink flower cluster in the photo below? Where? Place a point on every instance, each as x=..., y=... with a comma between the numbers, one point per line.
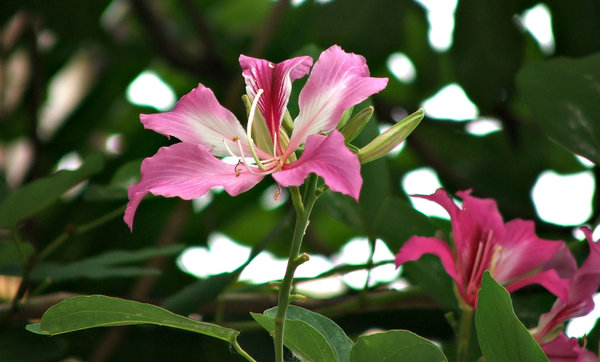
x=515, y=257
x=209, y=132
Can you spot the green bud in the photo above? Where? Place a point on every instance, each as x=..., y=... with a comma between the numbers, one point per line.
x=389, y=139
x=355, y=126
x=260, y=132
x=345, y=117
x=288, y=122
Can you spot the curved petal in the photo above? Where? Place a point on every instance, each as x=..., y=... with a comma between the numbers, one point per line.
x=337, y=81
x=565, y=349
x=328, y=157
x=199, y=118
x=416, y=246
x=276, y=82
x=188, y=171
x=476, y=221
x=523, y=252
x=549, y=279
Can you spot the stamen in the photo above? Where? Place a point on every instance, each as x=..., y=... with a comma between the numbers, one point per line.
x=277, y=193
x=249, y=129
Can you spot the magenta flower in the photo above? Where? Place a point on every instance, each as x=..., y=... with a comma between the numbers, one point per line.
x=512, y=252
x=580, y=302
x=210, y=132
x=565, y=349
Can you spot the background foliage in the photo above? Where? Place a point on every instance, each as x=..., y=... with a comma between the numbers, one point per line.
x=549, y=107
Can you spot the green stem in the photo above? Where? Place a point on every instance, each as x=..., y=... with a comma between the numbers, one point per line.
x=303, y=210
x=242, y=353
x=464, y=333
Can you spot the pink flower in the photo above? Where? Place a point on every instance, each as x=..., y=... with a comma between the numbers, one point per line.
x=209, y=132
x=580, y=302
x=512, y=252
x=565, y=349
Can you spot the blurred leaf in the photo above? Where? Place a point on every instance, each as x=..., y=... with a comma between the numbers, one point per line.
x=18, y=345
x=397, y=221
x=104, y=265
x=429, y=273
x=10, y=253
x=494, y=166
x=395, y=345
x=502, y=336
x=301, y=338
x=487, y=50
x=563, y=95
x=335, y=336
x=199, y=293
x=116, y=189
x=37, y=195
x=92, y=311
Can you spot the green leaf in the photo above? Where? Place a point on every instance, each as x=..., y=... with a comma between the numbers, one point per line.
x=487, y=50
x=92, y=311
x=334, y=335
x=104, y=265
x=116, y=189
x=301, y=338
x=563, y=95
x=199, y=293
x=501, y=335
x=395, y=345
x=37, y=195
x=10, y=253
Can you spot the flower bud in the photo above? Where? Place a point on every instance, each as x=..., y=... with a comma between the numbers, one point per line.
x=345, y=117
x=354, y=127
x=389, y=139
x=260, y=132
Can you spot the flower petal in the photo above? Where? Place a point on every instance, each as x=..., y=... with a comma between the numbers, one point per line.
x=549, y=279
x=328, y=157
x=188, y=171
x=565, y=349
x=199, y=118
x=276, y=82
x=523, y=252
x=416, y=246
x=337, y=81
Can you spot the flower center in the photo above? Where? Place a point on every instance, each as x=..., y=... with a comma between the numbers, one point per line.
x=258, y=166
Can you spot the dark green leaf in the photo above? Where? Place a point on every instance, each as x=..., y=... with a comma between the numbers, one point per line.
x=335, y=336
x=395, y=345
x=487, y=50
x=37, y=195
x=103, y=266
x=301, y=338
x=502, y=337
x=563, y=95
x=92, y=311
x=11, y=253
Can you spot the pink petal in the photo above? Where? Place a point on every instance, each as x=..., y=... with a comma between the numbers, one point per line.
x=276, y=82
x=188, y=171
x=328, y=157
x=199, y=118
x=565, y=349
x=476, y=221
x=416, y=246
x=549, y=279
x=523, y=252
x=337, y=81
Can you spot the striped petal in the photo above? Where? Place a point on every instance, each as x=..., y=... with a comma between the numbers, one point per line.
x=338, y=81
x=276, y=82
x=199, y=118
x=328, y=157
x=187, y=171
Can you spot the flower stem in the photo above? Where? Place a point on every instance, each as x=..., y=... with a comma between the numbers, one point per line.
x=464, y=333
x=303, y=210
